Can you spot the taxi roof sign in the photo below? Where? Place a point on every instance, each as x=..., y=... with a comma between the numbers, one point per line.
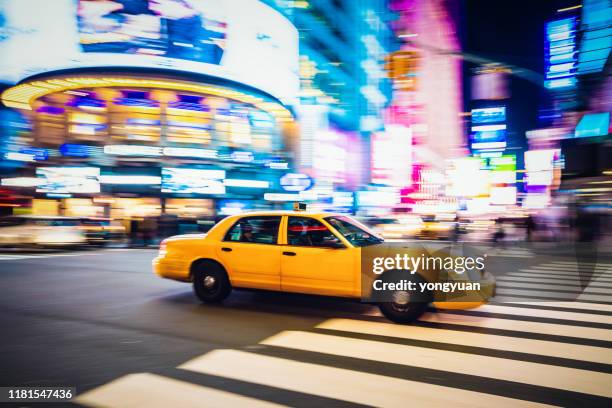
x=299, y=206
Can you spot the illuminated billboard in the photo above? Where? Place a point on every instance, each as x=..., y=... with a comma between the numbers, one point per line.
x=489, y=136
x=466, y=178
x=539, y=166
x=561, y=54
x=243, y=40
x=493, y=139
x=540, y=160
x=593, y=124
x=192, y=181
x=330, y=155
x=489, y=115
x=62, y=180
x=503, y=195
x=391, y=156
x=175, y=29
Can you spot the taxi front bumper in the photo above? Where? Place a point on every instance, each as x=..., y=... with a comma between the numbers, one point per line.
x=488, y=288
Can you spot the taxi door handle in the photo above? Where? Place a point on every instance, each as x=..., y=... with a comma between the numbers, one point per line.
x=226, y=249
x=288, y=253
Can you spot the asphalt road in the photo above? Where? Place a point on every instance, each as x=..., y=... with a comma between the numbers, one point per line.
x=102, y=322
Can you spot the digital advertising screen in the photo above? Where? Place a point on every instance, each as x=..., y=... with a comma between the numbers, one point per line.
x=62, y=180
x=174, y=29
x=593, y=125
x=241, y=40
x=391, y=156
x=194, y=181
x=488, y=138
x=489, y=115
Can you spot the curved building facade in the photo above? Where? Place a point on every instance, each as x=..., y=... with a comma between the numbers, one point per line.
x=135, y=116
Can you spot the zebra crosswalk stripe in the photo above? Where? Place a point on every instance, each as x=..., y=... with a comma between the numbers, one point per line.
x=155, y=391
x=546, y=272
x=599, y=307
x=585, y=263
x=348, y=385
x=499, y=342
x=526, y=372
x=521, y=326
x=561, y=278
x=518, y=293
x=541, y=313
x=539, y=279
x=551, y=287
x=549, y=266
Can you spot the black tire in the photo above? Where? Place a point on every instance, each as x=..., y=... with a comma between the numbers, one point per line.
x=409, y=306
x=402, y=313
x=210, y=282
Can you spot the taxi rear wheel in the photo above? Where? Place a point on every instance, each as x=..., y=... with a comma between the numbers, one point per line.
x=210, y=282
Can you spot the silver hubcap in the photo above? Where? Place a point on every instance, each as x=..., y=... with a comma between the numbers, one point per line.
x=209, y=281
x=401, y=298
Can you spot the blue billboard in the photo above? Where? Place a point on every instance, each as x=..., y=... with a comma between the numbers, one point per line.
x=561, y=54
x=489, y=115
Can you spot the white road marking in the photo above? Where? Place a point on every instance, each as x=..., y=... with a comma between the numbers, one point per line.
x=567, y=282
x=517, y=325
x=553, y=295
x=489, y=341
x=155, y=391
x=546, y=314
x=601, y=307
x=547, y=286
x=353, y=386
x=543, y=375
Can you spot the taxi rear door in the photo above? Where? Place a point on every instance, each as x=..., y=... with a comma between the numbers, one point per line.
x=251, y=253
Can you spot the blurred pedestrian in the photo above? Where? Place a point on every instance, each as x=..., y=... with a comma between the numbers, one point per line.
x=530, y=227
x=500, y=234
x=148, y=229
x=588, y=225
x=457, y=229
x=134, y=233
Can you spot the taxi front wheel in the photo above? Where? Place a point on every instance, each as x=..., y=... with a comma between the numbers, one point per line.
x=210, y=282
x=400, y=312
x=405, y=306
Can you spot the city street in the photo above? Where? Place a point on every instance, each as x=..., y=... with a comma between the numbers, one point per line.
x=306, y=203
x=100, y=320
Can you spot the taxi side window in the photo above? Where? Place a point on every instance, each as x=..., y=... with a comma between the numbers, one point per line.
x=256, y=230
x=304, y=231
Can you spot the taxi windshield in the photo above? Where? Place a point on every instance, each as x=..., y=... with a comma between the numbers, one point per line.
x=356, y=235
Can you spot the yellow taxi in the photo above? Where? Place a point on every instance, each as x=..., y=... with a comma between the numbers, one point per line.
x=289, y=251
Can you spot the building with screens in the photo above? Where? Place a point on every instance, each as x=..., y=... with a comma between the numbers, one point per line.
x=140, y=109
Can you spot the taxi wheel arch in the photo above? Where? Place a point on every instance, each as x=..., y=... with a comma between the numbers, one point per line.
x=211, y=283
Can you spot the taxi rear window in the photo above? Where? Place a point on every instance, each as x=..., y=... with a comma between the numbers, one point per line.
x=255, y=230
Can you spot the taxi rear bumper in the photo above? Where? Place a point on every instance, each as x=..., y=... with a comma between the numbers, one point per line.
x=171, y=268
